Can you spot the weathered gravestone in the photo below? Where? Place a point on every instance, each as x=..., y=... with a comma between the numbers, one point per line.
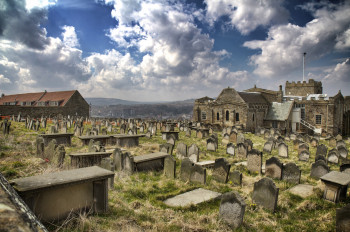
x=198, y=174
x=242, y=151
x=236, y=177
x=338, y=137
x=333, y=156
x=304, y=155
x=61, y=154
x=211, y=144
x=343, y=152
x=240, y=138
x=332, y=142
x=314, y=142
x=188, y=132
x=268, y=147
x=283, y=150
x=128, y=163
x=233, y=137
x=118, y=159
x=303, y=147
x=345, y=168
x=320, y=157
x=50, y=150
x=225, y=139
x=181, y=150
x=186, y=168
x=171, y=139
x=343, y=219
x=321, y=150
x=232, y=208
x=40, y=146
x=265, y=193
x=107, y=164
x=296, y=144
x=273, y=168
x=167, y=148
x=249, y=144
x=340, y=143
x=230, y=149
x=291, y=173
x=193, y=153
x=318, y=169
x=170, y=167
x=254, y=161
x=221, y=170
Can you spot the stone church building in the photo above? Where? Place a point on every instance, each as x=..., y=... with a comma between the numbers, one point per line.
x=45, y=103
x=302, y=107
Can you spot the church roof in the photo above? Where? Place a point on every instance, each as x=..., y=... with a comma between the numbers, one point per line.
x=253, y=97
x=279, y=111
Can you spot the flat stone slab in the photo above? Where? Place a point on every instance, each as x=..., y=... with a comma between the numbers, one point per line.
x=340, y=178
x=60, y=178
x=302, y=190
x=104, y=154
x=149, y=157
x=206, y=163
x=88, y=137
x=244, y=163
x=122, y=136
x=194, y=197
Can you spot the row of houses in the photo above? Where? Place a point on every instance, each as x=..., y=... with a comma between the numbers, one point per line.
x=45, y=103
x=301, y=108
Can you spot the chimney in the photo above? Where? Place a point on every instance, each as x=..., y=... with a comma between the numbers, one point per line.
x=280, y=87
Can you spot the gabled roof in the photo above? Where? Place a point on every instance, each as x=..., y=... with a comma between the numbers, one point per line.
x=229, y=95
x=253, y=97
x=279, y=111
x=60, y=96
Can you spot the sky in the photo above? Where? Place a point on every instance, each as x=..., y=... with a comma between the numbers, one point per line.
x=165, y=50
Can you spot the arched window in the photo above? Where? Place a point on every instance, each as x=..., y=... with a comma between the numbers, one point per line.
x=227, y=115
x=217, y=116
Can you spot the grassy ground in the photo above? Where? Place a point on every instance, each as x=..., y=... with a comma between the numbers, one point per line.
x=136, y=202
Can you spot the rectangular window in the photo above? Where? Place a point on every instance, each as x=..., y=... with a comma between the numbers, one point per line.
x=204, y=115
x=274, y=124
x=237, y=117
x=318, y=119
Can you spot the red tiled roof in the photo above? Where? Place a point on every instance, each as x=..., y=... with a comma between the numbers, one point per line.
x=63, y=96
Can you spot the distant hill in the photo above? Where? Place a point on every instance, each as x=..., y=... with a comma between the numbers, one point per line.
x=116, y=101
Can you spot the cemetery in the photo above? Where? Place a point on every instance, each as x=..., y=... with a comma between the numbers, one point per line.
x=88, y=174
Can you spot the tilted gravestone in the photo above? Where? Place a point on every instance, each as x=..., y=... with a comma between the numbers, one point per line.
x=254, y=161
x=283, y=150
x=343, y=219
x=268, y=147
x=230, y=149
x=236, y=178
x=273, y=168
x=321, y=150
x=181, y=150
x=242, y=151
x=318, y=169
x=198, y=174
x=170, y=167
x=193, y=153
x=186, y=168
x=265, y=193
x=333, y=156
x=304, y=155
x=221, y=170
x=232, y=208
x=291, y=173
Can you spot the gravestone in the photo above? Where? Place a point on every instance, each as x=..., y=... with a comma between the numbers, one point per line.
x=188, y=132
x=128, y=163
x=193, y=197
x=181, y=150
x=343, y=152
x=304, y=155
x=332, y=142
x=167, y=148
x=170, y=139
x=340, y=143
x=221, y=170
x=233, y=137
x=232, y=208
x=193, y=153
x=254, y=161
x=236, y=177
x=249, y=144
x=265, y=193
x=283, y=150
x=225, y=139
x=291, y=173
x=118, y=159
x=186, y=168
x=345, y=168
x=273, y=168
x=303, y=147
x=318, y=169
x=61, y=154
x=320, y=157
x=333, y=156
x=50, y=150
x=268, y=147
x=107, y=164
x=198, y=174
x=242, y=151
x=321, y=150
x=211, y=145
x=314, y=142
x=230, y=149
x=343, y=219
x=40, y=146
x=338, y=137
x=296, y=144
x=170, y=167
x=240, y=138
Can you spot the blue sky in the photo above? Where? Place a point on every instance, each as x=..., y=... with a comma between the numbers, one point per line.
x=154, y=50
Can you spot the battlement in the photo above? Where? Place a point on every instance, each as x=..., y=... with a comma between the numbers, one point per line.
x=303, y=88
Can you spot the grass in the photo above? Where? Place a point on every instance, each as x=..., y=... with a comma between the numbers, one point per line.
x=136, y=201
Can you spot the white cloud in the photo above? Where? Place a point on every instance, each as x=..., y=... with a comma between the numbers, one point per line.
x=282, y=51
x=69, y=36
x=247, y=15
x=4, y=80
x=30, y=4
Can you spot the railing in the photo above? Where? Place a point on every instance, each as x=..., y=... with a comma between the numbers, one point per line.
x=310, y=126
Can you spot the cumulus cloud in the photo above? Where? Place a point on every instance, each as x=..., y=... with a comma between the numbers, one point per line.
x=70, y=38
x=19, y=24
x=282, y=51
x=247, y=15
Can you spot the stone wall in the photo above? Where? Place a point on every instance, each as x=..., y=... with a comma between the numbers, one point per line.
x=303, y=88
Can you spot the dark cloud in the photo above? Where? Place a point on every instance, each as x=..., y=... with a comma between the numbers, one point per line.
x=18, y=24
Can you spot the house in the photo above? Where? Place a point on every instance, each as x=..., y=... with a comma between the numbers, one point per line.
x=303, y=108
x=45, y=103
